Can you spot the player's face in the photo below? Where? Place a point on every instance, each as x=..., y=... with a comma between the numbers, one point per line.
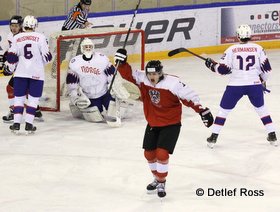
x=15, y=28
x=88, y=48
x=85, y=7
x=154, y=77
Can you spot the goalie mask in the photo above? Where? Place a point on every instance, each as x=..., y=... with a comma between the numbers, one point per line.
x=153, y=71
x=29, y=22
x=244, y=32
x=87, y=47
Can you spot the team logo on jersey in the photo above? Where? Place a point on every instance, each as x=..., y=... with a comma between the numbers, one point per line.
x=155, y=96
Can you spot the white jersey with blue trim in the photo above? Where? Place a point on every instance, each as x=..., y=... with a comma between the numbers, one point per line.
x=245, y=63
x=29, y=53
x=91, y=75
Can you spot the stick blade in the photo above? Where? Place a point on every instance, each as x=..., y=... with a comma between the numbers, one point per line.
x=176, y=51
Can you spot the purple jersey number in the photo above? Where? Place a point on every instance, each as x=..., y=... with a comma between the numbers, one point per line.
x=27, y=53
x=250, y=60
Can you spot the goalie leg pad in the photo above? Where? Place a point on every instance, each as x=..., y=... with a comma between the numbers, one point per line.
x=92, y=114
x=76, y=113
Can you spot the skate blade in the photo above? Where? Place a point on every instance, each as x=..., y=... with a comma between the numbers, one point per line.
x=210, y=145
x=29, y=132
x=16, y=132
x=39, y=119
x=150, y=192
x=273, y=143
x=8, y=121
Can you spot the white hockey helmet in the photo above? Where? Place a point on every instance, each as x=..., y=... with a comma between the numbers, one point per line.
x=243, y=31
x=30, y=22
x=87, y=47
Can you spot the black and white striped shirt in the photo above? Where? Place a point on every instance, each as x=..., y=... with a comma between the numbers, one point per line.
x=76, y=18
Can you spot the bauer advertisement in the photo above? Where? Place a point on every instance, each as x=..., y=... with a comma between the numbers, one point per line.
x=264, y=21
x=168, y=29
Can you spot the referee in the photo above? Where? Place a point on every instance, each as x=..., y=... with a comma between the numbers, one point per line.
x=76, y=19
x=77, y=16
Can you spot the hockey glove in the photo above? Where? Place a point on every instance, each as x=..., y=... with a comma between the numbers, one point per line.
x=120, y=56
x=6, y=70
x=206, y=117
x=210, y=63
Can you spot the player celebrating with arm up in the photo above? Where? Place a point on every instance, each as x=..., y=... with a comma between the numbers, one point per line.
x=87, y=83
x=163, y=96
x=26, y=58
x=247, y=65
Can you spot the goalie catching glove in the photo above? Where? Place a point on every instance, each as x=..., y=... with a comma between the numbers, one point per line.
x=206, y=117
x=79, y=99
x=118, y=89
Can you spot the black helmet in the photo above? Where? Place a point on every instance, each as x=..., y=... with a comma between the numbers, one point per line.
x=154, y=66
x=86, y=2
x=16, y=19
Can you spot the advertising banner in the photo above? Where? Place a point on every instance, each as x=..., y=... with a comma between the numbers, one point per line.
x=264, y=21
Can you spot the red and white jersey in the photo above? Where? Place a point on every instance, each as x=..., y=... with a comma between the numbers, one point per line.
x=245, y=63
x=163, y=102
x=91, y=75
x=29, y=53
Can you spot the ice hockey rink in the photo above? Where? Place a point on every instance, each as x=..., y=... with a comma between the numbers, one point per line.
x=75, y=166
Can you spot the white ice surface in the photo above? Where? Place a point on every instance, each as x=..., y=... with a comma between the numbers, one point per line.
x=75, y=166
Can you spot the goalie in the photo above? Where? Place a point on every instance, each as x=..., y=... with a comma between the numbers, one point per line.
x=87, y=82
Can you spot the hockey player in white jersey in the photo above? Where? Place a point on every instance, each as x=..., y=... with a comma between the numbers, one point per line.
x=87, y=82
x=249, y=68
x=26, y=58
x=15, y=28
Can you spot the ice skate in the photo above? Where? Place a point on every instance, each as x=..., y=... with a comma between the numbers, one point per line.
x=39, y=115
x=151, y=188
x=211, y=141
x=15, y=128
x=29, y=128
x=272, y=139
x=9, y=117
x=161, y=189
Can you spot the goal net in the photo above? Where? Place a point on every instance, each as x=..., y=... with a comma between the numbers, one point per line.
x=65, y=45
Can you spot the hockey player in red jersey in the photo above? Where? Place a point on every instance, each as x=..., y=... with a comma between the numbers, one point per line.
x=162, y=96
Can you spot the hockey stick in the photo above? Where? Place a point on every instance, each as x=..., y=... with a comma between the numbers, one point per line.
x=179, y=50
x=124, y=45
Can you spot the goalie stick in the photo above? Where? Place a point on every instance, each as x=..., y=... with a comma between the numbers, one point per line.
x=179, y=50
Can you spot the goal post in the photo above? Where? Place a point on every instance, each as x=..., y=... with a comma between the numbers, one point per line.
x=65, y=45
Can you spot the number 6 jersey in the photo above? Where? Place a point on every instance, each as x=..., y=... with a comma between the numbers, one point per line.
x=28, y=55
